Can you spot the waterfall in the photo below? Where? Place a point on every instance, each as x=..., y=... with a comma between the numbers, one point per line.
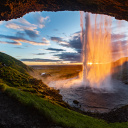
x=96, y=52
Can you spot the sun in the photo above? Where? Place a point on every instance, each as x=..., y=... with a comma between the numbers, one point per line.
x=89, y=63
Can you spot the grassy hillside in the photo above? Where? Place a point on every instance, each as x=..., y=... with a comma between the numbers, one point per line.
x=33, y=93
x=57, y=114
x=15, y=74
x=6, y=60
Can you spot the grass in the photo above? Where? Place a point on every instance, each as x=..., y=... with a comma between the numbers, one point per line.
x=18, y=84
x=7, y=60
x=12, y=75
x=56, y=113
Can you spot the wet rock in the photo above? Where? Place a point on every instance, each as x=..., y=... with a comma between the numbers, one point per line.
x=76, y=102
x=45, y=74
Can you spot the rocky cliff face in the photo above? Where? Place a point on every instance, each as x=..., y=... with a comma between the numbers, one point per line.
x=10, y=9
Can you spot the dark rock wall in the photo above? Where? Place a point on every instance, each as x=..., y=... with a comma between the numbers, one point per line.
x=10, y=9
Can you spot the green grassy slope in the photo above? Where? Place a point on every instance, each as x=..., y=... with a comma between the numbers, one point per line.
x=34, y=93
x=7, y=60
x=56, y=113
x=15, y=74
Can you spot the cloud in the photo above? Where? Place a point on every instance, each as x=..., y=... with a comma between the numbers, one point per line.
x=75, y=42
x=40, y=20
x=31, y=42
x=10, y=37
x=1, y=22
x=29, y=30
x=75, y=35
x=118, y=46
x=56, y=39
x=18, y=40
x=45, y=40
x=116, y=37
x=16, y=26
x=24, y=21
x=59, y=40
x=52, y=52
x=40, y=54
x=7, y=42
x=22, y=24
x=20, y=34
x=19, y=47
x=40, y=60
x=55, y=49
x=67, y=56
x=31, y=34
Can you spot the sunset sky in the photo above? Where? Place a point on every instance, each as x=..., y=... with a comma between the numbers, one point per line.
x=52, y=37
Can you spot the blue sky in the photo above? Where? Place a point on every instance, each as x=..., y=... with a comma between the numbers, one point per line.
x=49, y=37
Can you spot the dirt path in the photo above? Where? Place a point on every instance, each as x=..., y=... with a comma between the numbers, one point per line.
x=15, y=115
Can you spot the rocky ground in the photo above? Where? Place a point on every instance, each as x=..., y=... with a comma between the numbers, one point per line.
x=15, y=115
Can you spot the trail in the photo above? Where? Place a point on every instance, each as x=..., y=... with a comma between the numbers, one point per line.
x=15, y=115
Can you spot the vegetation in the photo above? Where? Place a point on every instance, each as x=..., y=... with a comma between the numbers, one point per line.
x=14, y=73
x=10, y=9
x=57, y=114
x=67, y=71
x=18, y=84
x=8, y=61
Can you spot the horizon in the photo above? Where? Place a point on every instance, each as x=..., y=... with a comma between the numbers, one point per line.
x=53, y=38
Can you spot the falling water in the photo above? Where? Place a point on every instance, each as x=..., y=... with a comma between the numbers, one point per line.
x=99, y=63
x=96, y=52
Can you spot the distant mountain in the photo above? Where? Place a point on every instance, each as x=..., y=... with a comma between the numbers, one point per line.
x=120, y=69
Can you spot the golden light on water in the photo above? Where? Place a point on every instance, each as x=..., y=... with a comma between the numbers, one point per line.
x=89, y=63
x=97, y=48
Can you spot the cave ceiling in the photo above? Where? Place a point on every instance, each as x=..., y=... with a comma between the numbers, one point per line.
x=12, y=9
